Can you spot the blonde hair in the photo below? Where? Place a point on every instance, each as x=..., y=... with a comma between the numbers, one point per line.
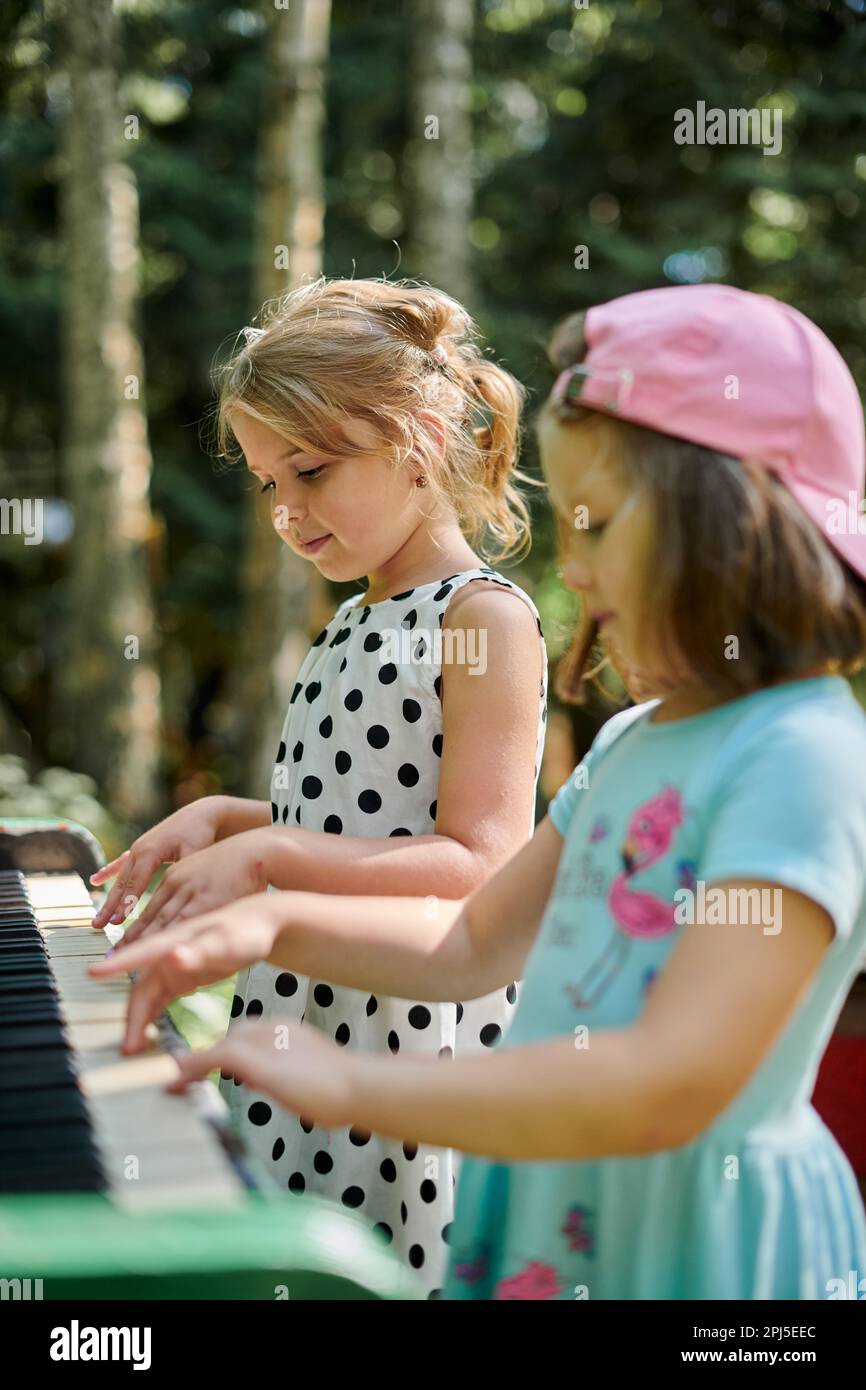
x=333, y=349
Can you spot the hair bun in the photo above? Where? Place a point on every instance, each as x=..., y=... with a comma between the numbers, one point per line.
x=422, y=315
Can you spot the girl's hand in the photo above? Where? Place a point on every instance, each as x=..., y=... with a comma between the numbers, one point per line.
x=190, y=829
x=295, y=1065
x=203, y=882
x=183, y=957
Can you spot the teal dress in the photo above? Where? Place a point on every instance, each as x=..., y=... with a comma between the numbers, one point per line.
x=764, y=1204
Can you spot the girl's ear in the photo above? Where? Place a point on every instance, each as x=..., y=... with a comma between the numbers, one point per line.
x=434, y=426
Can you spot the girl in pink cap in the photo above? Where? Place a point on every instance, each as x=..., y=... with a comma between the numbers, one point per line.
x=691, y=913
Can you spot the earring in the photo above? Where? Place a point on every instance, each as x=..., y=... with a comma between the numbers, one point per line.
x=421, y=482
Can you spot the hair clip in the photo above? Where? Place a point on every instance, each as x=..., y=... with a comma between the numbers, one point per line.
x=439, y=354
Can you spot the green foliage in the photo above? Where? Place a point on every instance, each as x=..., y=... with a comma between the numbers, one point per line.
x=573, y=115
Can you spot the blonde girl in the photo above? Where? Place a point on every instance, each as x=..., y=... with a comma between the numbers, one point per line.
x=413, y=736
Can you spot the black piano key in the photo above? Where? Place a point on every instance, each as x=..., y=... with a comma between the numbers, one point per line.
x=55, y=1105
x=62, y=1179
x=30, y=1010
x=53, y=1072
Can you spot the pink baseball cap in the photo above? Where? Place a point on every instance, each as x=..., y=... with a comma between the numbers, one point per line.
x=740, y=373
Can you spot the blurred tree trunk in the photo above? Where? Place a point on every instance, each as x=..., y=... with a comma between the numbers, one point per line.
x=280, y=589
x=439, y=153
x=107, y=711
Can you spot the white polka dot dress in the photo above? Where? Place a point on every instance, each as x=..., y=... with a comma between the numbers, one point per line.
x=360, y=755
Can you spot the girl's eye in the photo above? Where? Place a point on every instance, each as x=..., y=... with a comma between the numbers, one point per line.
x=265, y=486
x=311, y=473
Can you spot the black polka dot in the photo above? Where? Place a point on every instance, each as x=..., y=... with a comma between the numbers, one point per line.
x=285, y=814
x=372, y=1005
x=411, y=711
x=446, y=1233
x=343, y=664
x=388, y=1170
x=341, y=637
x=297, y=1182
x=365, y=615
x=384, y=1231
x=511, y=994
x=410, y=619
x=369, y=801
x=437, y=745
x=324, y=996
x=393, y=1041
x=353, y=700
x=342, y=1034
x=410, y=1150
x=311, y=788
x=281, y=752
x=490, y=1034
x=401, y=830
x=342, y=762
x=437, y=686
x=333, y=825
x=326, y=728
x=278, y=1150
x=416, y=1256
x=274, y=812
x=254, y=1008
x=459, y=1012
x=323, y=1163
x=408, y=775
x=353, y=1197
x=259, y=1113
x=237, y=1006
x=359, y=1137
x=312, y=690
x=420, y=649
x=378, y=736
x=434, y=806
x=419, y=1016
x=286, y=984
x=428, y=1191
x=295, y=693
x=320, y=639
x=407, y=594
x=443, y=592
x=298, y=814
x=387, y=673
x=372, y=642
x=404, y=1213
x=298, y=751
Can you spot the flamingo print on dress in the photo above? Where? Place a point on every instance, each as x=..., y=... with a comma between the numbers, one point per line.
x=649, y=836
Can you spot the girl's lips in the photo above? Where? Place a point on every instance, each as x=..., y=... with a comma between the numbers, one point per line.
x=313, y=547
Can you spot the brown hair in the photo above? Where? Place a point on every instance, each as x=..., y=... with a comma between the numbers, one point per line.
x=734, y=556
x=362, y=348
